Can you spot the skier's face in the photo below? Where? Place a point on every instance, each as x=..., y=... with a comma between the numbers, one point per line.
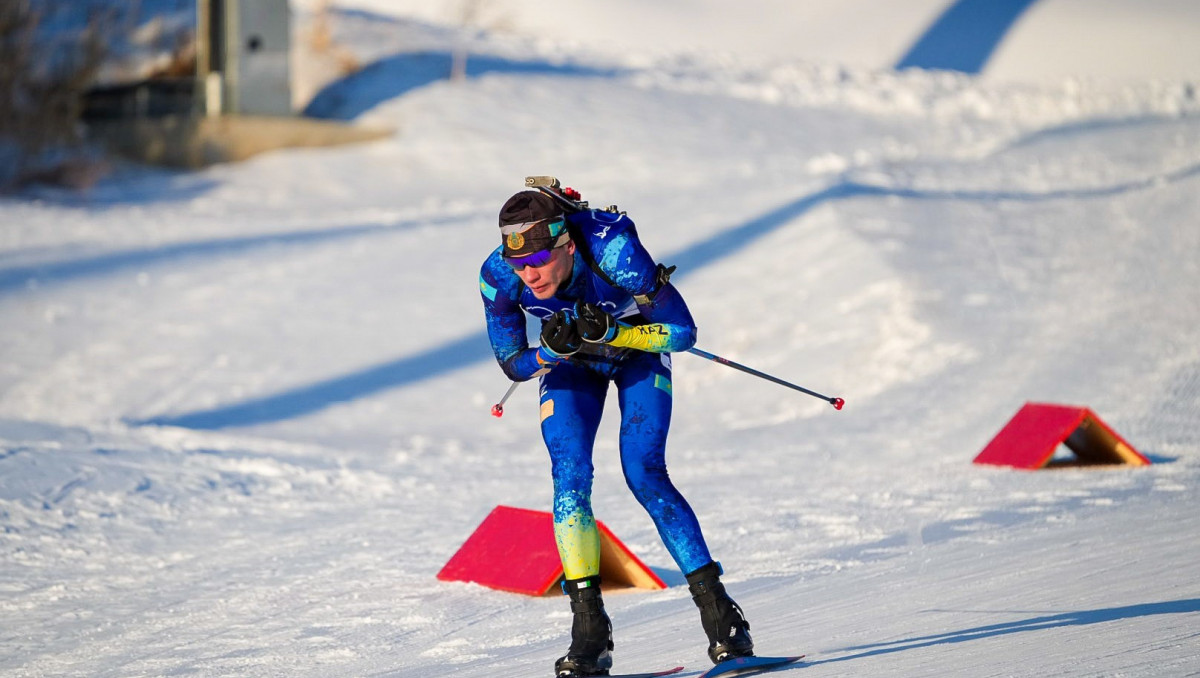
x=545, y=280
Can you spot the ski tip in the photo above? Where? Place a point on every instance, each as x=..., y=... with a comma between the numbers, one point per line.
x=837, y=403
x=497, y=410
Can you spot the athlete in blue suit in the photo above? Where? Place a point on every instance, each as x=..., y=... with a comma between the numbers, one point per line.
x=608, y=313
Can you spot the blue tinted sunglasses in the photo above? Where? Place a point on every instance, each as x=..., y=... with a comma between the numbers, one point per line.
x=535, y=260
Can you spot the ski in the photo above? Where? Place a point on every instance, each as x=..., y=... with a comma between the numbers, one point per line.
x=651, y=674
x=748, y=666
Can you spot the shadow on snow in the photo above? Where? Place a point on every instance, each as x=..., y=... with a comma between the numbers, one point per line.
x=468, y=350
x=965, y=36
x=18, y=278
x=1038, y=623
x=393, y=76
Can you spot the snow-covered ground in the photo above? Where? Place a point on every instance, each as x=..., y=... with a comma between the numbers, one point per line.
x=1036, y=41
x=244, y=412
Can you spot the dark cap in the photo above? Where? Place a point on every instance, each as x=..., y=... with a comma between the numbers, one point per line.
x=531, y=221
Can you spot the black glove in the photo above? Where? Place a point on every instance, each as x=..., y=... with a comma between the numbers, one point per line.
x=559, y=334
x=594, y=323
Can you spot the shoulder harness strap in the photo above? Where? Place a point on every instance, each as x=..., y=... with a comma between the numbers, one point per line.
x=572, y=202
x=661, y=277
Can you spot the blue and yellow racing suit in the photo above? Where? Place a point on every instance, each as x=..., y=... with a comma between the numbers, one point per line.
x=654, y=321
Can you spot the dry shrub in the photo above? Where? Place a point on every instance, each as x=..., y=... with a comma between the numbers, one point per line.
x=474, y=18
x=320, y=39
x=43, y=80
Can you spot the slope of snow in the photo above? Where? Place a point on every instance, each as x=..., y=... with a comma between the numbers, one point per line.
x=1047, y=42
x=244, y=411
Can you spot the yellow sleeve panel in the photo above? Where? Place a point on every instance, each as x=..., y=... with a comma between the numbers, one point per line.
x=654, y=338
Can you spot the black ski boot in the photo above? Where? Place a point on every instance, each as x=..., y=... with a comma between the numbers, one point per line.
x=590, y=653
x=727, y=629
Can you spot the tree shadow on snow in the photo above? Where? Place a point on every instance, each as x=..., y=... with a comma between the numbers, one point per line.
x=449, y=355
x=965, y=36
x=461, y=352
x=1038, y=623
x=16, y=279
x=393, y=76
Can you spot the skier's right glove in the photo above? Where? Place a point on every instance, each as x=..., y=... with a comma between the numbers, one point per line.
x=560, y=336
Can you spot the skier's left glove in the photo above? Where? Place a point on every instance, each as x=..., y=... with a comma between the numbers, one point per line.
x=595, y=325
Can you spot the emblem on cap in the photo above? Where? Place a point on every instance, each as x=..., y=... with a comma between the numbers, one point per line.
x=515, y=241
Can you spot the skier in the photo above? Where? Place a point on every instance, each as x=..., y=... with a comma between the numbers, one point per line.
x=608, y=314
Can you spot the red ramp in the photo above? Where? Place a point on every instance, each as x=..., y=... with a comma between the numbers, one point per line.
x=513, y=550
x=1031, y=437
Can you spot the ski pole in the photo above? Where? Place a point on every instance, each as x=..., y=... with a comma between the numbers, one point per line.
x=836, y=402
x=498, y=408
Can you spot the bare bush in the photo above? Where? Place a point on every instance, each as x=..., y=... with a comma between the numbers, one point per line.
x=321, y=41
x=474, y=17
x=43, y=80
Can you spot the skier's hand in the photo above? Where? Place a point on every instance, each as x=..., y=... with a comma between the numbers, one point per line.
x=594, y=323
x=560, y=336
